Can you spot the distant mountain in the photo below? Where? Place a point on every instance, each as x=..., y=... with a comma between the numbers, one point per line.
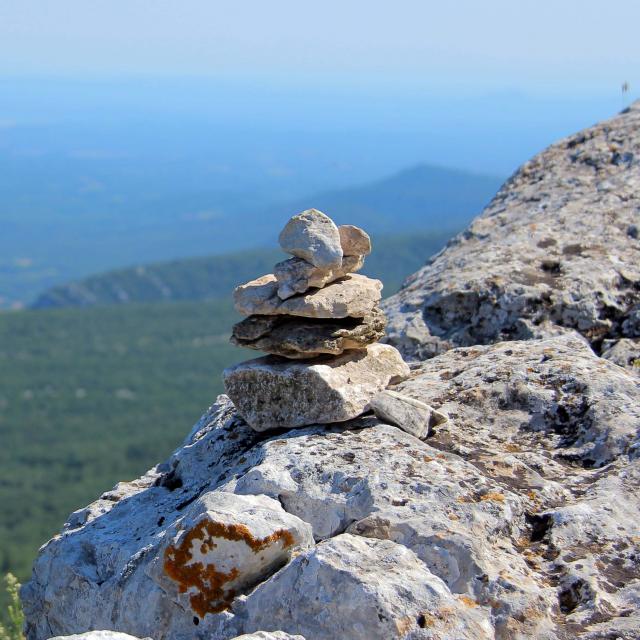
x=423, y=197
x=214, y=277
x=41, y=251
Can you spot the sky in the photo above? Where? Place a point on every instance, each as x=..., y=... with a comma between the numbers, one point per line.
x=540, y=46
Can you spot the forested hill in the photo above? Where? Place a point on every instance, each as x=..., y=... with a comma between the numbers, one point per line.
x=215, y=276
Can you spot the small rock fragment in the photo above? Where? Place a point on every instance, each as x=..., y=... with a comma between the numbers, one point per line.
x=353, y=296
x=354, y=240
x=313, y=236
x=268, y=635
x=410, y=415
x=297, y=275
x=271, y=393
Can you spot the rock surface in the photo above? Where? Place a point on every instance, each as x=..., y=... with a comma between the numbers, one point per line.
x=354, y=240
x=293, y=337
x=98, y=635
x=410, y=415
x=275, y=393
x=557, y=249
x=314, y=237
x=297, y=275
x=353, y=296
x=517, y=518
x=224, y=546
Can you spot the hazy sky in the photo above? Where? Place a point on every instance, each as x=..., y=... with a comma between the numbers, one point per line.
x=557, y=45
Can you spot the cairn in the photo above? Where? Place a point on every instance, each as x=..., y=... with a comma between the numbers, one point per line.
x=320, y=323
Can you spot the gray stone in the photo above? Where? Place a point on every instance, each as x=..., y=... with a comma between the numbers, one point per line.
x=272, y=392
x=314, y=237
x=98, y=635
x=410, y=415
x=268, y=635
x=551, y=252
x=297, y=275
x=294, y=337
x=299, y=597
x=354, y=240
x=353, y=296
x=624, y=352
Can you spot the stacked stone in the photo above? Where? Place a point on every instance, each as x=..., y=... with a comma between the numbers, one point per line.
x=320, y=323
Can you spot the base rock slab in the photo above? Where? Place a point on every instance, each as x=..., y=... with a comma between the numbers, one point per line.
x=272, y=393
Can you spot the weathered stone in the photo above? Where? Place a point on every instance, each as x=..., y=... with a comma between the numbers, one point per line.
x=272, y=393
x=354, y=240
x=295, y=337
x=297, y=275
x=624, y=352
x=413, y=416
x=353, y=296
x=268, y=635
x=98, y=635
x=300, y=597
x=314, y=237
x=552, y=251
x=224, y=546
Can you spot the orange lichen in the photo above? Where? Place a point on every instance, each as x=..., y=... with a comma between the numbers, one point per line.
x=493, y=496
x=470, y=602
x=212, y=596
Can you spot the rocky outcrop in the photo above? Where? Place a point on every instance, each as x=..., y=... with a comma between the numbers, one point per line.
x=516, y=517
x=557, y=249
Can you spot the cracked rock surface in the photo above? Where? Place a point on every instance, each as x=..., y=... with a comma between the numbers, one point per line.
x=558, y=248
x=518, y=517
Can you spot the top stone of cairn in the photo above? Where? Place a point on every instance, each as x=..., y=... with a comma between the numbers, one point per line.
x=314, y=237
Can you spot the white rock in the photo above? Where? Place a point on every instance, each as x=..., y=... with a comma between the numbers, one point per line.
x=268, y=635
x=297, y=275
x=224, y=546
x=410, y=415
x=313, y=236
x=98, y=635
x=353, y=296
x=354, y=240
x=272, y=393
x=322, y=595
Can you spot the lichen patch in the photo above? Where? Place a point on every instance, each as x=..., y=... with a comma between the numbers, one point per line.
x=212, y=585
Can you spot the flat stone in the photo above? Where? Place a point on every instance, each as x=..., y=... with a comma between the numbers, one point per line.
x=354, y=240
x=410, y=415
x=225, y=545
x=272, y=393
x=313, y=236
x=352, y=296
x=295, y=337
x=297, y=275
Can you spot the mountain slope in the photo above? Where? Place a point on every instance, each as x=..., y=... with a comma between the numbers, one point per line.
x=42, y=252
x=216, y=276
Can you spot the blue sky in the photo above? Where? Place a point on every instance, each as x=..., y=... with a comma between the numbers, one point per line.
x=543, y=46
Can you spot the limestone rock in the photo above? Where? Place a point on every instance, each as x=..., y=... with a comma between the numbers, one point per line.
x=301, y=595
x=224, y=546
x=354, y=240
x=314, y=237
x=294, y=337
x=413, y=416
x=274, y=393
x=268, y=635
x=353, y=296
x=297, y=275
x=98, y=635
x=557, y=248
x=624, y=352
